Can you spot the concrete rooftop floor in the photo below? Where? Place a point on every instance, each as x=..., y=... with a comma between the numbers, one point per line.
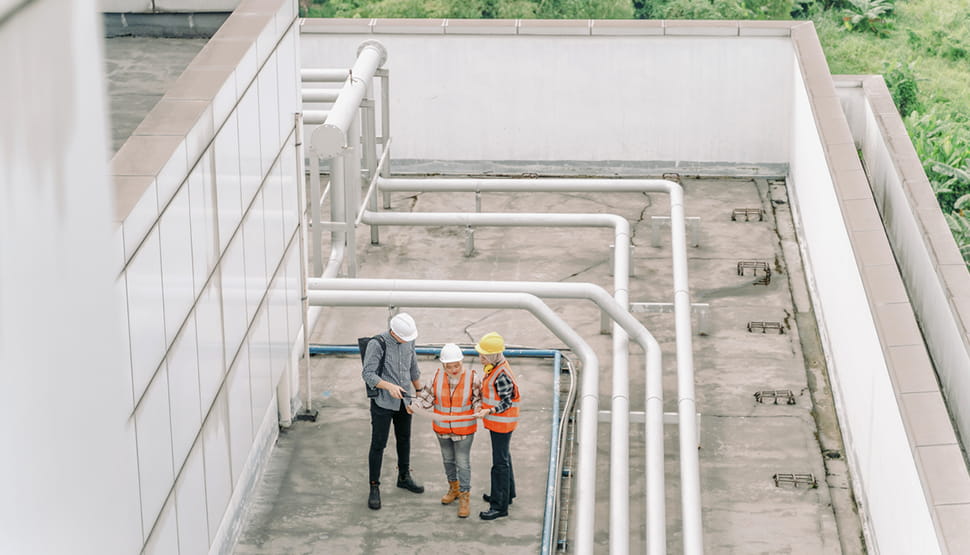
x=312, y=498
x=139, y=70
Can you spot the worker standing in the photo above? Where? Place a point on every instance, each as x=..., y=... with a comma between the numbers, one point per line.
x=399, y=375
x=500, y=414
x=455, y=394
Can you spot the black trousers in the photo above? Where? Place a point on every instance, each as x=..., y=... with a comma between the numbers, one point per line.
x=380, y=428
x=503, y=478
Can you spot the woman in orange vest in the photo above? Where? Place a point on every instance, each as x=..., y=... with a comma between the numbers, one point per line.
x=455, y=394
x=500, y=413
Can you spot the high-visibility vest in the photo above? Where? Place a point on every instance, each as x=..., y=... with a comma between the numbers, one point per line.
x=457, y=402
x=502, y=422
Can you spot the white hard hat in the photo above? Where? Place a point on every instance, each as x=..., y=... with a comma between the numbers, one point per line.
x=450, y=353
x=404, y=327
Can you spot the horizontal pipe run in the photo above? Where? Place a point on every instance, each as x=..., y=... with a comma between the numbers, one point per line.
x=320, y=95
x=315, y=117
x=589, y=402
x=324, y=75
x=524, y=185
x=654, y=364
x=433, y=351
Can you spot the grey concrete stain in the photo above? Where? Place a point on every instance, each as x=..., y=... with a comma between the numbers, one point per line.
x=313, y=496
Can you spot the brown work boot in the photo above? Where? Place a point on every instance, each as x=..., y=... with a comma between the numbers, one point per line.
x=463, y=504
x=452, y=494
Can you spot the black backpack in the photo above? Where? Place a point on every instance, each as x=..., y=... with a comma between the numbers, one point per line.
x=362, y=346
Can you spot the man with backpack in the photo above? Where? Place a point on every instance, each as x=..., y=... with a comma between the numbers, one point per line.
x=391, y=367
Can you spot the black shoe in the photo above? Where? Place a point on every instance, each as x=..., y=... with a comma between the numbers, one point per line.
x=488, y=498
x=374, y=499
x=492, y=514
x=405, y=481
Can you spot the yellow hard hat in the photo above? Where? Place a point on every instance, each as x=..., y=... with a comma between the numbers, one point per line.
x=490, y=344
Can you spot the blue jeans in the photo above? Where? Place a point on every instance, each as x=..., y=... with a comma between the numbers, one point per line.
x=503, y=479
x=456, y=456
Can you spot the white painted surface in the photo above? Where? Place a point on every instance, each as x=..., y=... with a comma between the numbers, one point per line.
x=891, y=495
x=920, y=267
x=462, y=97
x=70, y=486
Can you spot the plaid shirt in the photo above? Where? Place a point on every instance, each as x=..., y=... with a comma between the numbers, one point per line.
x=425, y=397
x=504, y=388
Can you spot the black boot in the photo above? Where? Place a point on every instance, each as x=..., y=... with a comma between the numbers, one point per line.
x=405, y=481
x=374, y=499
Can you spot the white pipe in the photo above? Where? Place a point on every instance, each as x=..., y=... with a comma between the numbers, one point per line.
x=589, y=402
x=315, y=117
x=656, y=531
x=332, y=136
x=352, y=177
x=689, y=464
x=320, y=95
x=323, y=75
x=316, y=230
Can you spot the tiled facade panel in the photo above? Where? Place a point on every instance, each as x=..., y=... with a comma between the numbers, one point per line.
x=154, y=436
x=202, y=213
x=212, y=357
x=211, y=311
x=233, y=276
x=218, y=475
x=164, y=538
x=241, y=418
x=175, y=235
x=260, y=366
x=254, y=259
x=146, y=319
x=183, y=391
x=228, y=183
x=249, y=141
x=190, y=505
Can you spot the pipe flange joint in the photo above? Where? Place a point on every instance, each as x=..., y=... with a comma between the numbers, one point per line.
x=376, y=45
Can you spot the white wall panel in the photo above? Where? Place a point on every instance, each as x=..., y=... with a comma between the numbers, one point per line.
x=146, y=315
x=141, y=218
x=175, y=236
x=288, y=81
x=279, y=337
x=260, y=364
x=870, y=419
x=228, y=181
x=164, y=539
x=291, y=201
x=193, y=522
x=234, y=295
x=294, y=289
x=218, y=485
x=269, y=113
x=212, y=357
x=273, y=210
x=255, y=257
x=249, y=141
x=183, y=395
x=240, y=413
x=580, y=98
x=202, y=211
x=121, y=296
x=155, y=472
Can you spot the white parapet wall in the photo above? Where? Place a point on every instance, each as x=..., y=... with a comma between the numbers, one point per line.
x=207, y=258
x=576, y=90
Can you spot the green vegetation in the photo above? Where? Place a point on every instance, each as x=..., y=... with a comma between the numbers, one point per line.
x=921, y=47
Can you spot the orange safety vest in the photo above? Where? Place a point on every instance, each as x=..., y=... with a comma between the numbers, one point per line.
x=454, y=403
x=503, y=422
